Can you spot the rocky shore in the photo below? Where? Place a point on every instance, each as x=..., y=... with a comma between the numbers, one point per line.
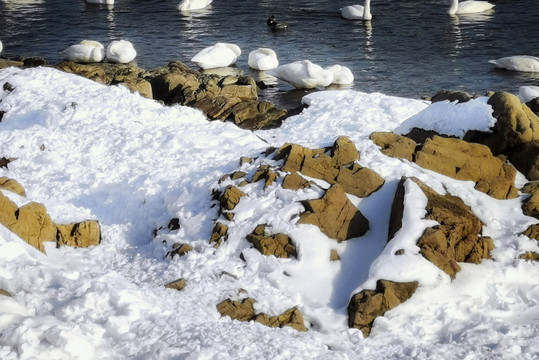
x=490, y=160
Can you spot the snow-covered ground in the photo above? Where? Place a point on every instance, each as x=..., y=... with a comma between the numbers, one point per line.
x=88, y=151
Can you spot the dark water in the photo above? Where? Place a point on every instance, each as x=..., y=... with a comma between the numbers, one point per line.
x=410, y=48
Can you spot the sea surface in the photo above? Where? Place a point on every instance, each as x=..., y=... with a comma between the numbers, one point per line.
x=410, y=48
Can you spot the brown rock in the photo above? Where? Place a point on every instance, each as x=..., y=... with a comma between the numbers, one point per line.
x=343, y=152
x=335, y=215
x=367, y=305
x=530, y=256
x=12, y=185
x=516, y=124
x=179, y=249
x=461, y=160
x=89, y=71
x=292, y=318
x=530, y=205
x=176, y=284
x=526, y=159
x=83, y=234
x=4, y=293
x=532, y=232
x=296, y=182
x=237, y=310
x=34, y=225
x=334, y=255
x=279, y=245
x=394, y=145
x=141, y=86
x=450, y=95
x=359, y=181
x=219, y=234
x=230, y=197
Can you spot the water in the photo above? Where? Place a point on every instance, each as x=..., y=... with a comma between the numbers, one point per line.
x=411, y=48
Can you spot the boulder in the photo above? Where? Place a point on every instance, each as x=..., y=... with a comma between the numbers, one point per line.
x=335, y=215
x=461, y=160
x=179, y=249
x=291, y=318
x=367, y=305
x=450, y=95
x=526, y=159
x=33, y=225
x=534, y=105
x=296, y=182
x=90, y=71
x=516, y=124
x=141, y=86
x=82, y=234
x=532, y=232
x=394, y=145
x=12, y=185
x=237, y=310
x=339, y=167
x=457, y=238
x=278, y=245
x=230, y=198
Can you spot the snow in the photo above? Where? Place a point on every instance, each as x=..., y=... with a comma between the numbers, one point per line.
x=88, y=151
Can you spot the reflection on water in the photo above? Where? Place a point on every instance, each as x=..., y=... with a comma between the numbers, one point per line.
x=410, y=48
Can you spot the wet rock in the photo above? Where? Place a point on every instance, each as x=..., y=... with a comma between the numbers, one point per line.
x=394, y=145
x=12, y=185
x=450, y=95
x=176, y=284
x=278, y=245
x=335, y=215
x=82, y=234
x=461, y=160
x=367, y=305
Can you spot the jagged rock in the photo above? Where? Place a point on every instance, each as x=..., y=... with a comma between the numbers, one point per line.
x=459, y=96
x=367, y=305
x=292, y=318
x=457, y=237
x=230, y=197
x=245, y=160
x=532, y=232
x=295, y=182
x=4, y=161
x=176, y=284
x=219, y=234
x=237, y=310
x=5, y=63
x=530, y=205
x=530, y=256
x=12, y=185
x=516, y=124
x=30, y=222
x=179, y=249
x=333, y=169
x=421, y=135
x=335, y=215
x=89, y=71
x=266, y=174
x=461, y=160
x=394, y=145
x=83, y=234
x=244, y=311
x=278, y=245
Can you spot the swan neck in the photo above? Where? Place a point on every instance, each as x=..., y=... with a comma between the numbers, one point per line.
x=454, y=7
x=367, y=10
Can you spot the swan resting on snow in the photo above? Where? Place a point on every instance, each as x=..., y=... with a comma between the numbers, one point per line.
x=187, y=5
x=357, y=12
x=120, y=51
x=524, y=63
x=263, y=59
x=303, y=74
x=468, y=7
x=218, y=55
x=87, y=51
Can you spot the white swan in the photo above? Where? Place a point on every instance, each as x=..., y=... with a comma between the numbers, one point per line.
x=263, y=59
x=120, y=51
x=527, y=93
x=107, y=2
x=218, y=55
x=303, y=74
x=86, y=51
x=357, y=12
x=523, y=63
x=468, y=7
x=341, y=75
x=187, y=5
